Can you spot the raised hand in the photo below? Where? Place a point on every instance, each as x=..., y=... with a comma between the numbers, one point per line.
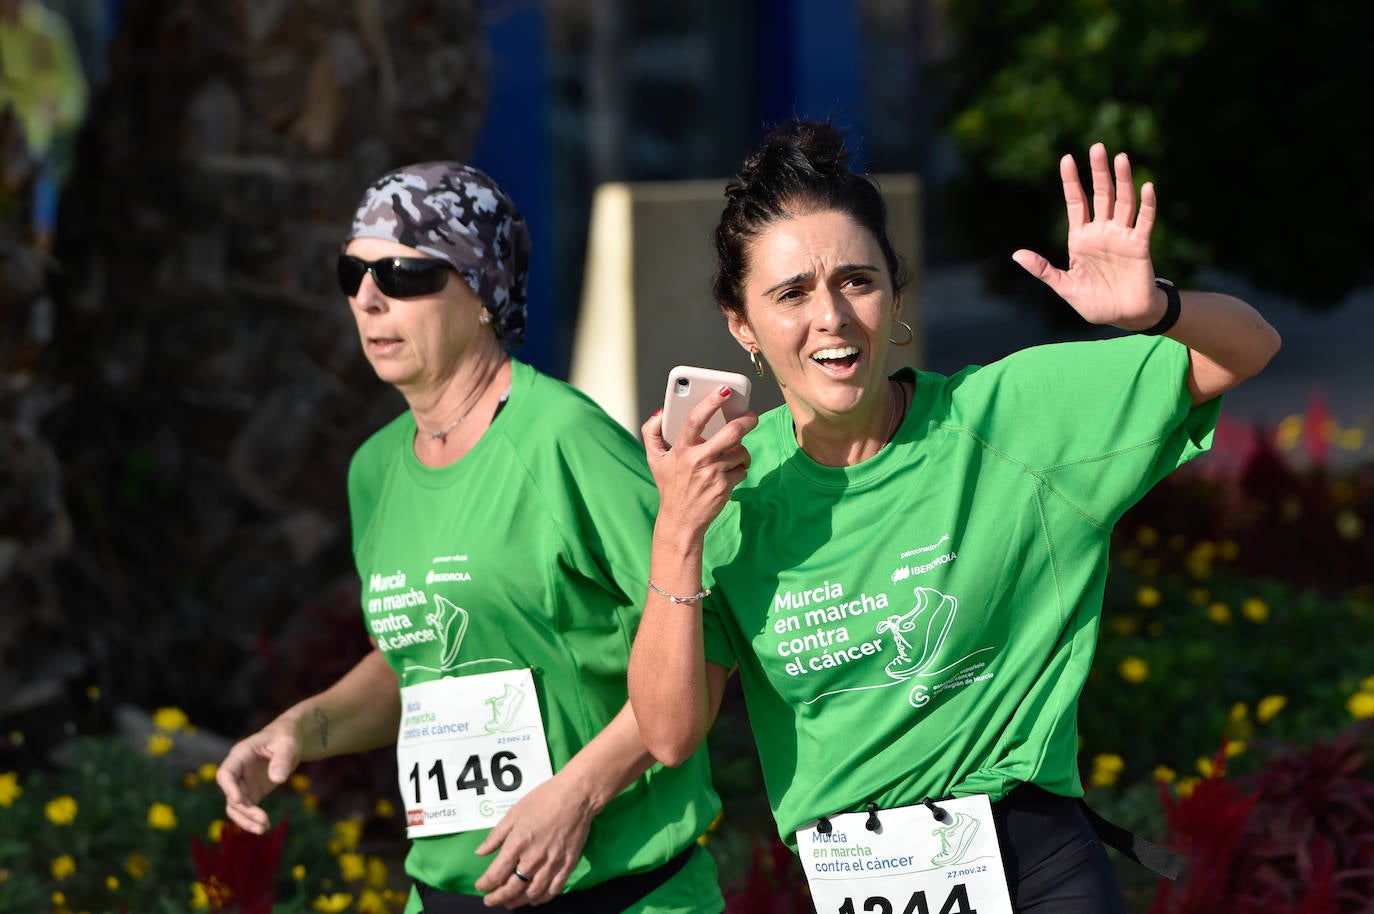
x=1110, y=278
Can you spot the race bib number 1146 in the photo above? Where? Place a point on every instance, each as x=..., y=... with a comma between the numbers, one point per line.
x=470, y=747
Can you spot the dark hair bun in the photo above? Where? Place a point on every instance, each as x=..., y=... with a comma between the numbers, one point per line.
x=796, y=149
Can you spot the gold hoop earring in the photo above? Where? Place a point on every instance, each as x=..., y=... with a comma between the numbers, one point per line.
x=910, y=334
x=757, y=361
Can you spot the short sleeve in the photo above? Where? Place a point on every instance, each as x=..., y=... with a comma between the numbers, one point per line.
x=1099, y=422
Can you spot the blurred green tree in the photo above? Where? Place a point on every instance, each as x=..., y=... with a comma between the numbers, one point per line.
x=1244, y=112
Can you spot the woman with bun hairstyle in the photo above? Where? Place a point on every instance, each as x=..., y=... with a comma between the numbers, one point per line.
x=908, y=570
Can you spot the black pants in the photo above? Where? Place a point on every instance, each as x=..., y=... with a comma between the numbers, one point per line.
x=1055, y=862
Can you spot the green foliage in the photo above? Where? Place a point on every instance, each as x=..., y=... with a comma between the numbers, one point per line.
x=1240, y=111
x=112, y=830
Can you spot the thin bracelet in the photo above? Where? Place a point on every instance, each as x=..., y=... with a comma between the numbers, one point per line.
x=692, y=599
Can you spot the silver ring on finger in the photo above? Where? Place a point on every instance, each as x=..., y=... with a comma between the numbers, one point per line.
x=521, y=876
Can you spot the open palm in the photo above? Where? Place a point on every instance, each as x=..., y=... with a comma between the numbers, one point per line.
x=1110, y=279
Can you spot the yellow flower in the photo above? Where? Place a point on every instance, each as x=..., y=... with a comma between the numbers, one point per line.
x=372, y=902
x=93, y=692
x=59, y=899
x=1199, y=596
x=200, y=898
x=298, y=872
x=1255, y=609
x=376, y=872
x=63, y=867
x=1106, y=768
x=352, y=867
x=171, y=719
x=1289, y=432
x=1147, y=536
x=384, y=809
x=1229, y=549
x=162, y=817
x=1125, y=625
x=207, y=772
x=159, y=744
x=1219, y=613
x=1134, y=669
x=215, y=830
x=1164, y=774
x=310, y=802
x=339, y=901
x=61, y=810
x=137, y=866
x=1109, y=761
x=1361, y=705
x=1235, y=747
x=1268, y=707
x=348, y=832
x=189, y=780
x=1348, y=525
x=1205, y=767
x=112, y=883
x=1185, y=787
x=299, y=782
x=9, y=788
x=1147, y=596
x=1238, y=712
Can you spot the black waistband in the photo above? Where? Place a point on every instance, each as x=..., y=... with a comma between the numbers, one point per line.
x=1130, y=845
x=610, y=896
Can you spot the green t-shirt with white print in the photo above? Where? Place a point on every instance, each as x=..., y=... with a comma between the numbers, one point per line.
x=921, y=624
x=531, y=551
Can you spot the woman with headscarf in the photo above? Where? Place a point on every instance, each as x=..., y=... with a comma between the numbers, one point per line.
x=501, y=530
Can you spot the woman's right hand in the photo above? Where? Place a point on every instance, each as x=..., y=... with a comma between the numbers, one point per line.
x=253, y=768
x=696, y=476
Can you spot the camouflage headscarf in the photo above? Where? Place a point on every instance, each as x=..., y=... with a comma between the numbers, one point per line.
x=456, y=213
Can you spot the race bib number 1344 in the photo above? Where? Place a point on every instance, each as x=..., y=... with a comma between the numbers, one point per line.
x=907, y=861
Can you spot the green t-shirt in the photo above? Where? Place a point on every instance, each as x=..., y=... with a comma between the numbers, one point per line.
x=921, y=624
x=541, y=535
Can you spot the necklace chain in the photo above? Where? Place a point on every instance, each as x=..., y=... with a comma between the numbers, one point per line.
x=442, y=434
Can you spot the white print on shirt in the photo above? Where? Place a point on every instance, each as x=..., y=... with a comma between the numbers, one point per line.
x=904, y=571
x=447, y=621
x=814, y=629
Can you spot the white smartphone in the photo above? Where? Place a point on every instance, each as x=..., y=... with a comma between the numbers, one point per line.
x=689, y=385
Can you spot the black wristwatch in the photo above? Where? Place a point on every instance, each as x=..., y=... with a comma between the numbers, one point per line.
x=1171, y=310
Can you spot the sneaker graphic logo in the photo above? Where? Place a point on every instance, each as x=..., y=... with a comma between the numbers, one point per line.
x=927, y=623
x=955, y=839
x=504, y=708
x=451, y=622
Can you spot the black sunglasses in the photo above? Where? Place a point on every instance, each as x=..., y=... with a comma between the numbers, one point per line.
x=396, y=277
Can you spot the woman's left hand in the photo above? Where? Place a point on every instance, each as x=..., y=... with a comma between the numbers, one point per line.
x=1110, y=279
x=541, y=837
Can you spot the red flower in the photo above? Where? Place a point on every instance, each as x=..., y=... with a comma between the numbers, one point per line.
x=239, y=872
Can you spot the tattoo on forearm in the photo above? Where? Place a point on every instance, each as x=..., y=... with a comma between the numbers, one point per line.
x=322, y=720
